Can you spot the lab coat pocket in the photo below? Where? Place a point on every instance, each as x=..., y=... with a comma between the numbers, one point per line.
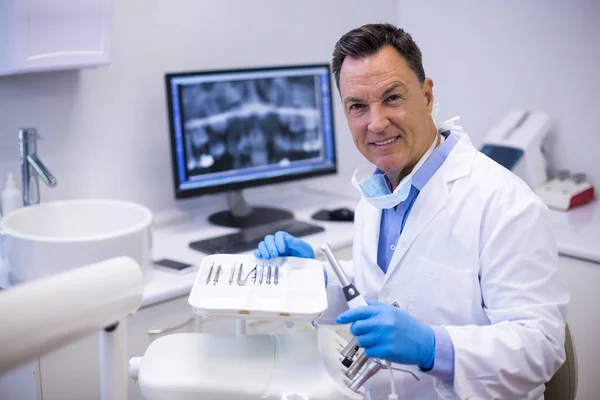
x=445, y=294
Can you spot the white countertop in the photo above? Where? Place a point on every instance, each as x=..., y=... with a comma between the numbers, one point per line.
x=578, y=231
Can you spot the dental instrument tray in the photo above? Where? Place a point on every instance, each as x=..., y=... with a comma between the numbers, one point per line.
x=245, y=287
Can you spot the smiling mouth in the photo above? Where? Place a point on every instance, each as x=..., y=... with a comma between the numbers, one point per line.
x=387, y=141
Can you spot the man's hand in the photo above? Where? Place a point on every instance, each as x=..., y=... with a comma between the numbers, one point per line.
x=283, y=244
x=388, y=333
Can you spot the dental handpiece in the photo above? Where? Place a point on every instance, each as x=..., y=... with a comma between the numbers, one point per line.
x=361, y=360
x=370, y=369
x=353, y=297
x=349, y=352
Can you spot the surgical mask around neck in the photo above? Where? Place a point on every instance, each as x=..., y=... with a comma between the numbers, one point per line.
x=374, y=187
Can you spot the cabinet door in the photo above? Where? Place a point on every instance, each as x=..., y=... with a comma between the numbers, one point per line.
x=73, y=372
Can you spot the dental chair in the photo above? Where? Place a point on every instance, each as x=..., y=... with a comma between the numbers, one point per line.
x=563, y=385
x=44, y=315
x=192, y=366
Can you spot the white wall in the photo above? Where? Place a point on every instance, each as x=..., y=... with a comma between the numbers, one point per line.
x=106, y=130
x=487, y=57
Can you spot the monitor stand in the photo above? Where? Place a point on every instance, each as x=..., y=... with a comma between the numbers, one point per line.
x=241, y=215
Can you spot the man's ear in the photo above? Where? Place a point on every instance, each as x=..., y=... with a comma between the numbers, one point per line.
x=428, y=93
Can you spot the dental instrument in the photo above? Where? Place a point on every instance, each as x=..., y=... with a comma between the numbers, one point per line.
x=370, y=369
x=353, y=297
x=253, y=273
x=216, y=279
x=357, y=365
x=349, y=352
x=210, y=273
x=262, y=273
x=232, y=274
x=239, y=277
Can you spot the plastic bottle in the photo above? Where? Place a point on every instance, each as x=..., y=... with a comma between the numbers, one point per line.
x=11, y=196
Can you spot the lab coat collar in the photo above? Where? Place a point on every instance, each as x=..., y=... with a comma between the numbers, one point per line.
x=460, y=159
x=430, y=201
x=372, y=217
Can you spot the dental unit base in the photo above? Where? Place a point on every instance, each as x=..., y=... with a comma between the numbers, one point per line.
x=230, y=367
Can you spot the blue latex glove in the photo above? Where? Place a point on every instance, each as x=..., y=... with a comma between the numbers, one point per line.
x=283, y=244
x=389, y=333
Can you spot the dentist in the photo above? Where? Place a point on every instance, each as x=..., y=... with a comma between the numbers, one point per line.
x=462, y=245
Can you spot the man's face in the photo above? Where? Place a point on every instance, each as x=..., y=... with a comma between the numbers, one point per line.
x=388, y=110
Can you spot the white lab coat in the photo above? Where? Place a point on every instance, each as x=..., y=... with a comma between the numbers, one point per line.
x=478, y=257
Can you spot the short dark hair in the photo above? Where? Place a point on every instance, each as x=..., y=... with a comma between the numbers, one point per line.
x=369, y=39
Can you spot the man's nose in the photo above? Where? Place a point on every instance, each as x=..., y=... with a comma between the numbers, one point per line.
x=379, y=120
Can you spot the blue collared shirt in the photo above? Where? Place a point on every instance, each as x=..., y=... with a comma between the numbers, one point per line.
x=391, y=227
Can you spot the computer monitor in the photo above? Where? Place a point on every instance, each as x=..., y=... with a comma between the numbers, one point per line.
x=234, y=129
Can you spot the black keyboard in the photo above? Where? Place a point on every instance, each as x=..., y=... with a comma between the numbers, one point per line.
x=249, y=238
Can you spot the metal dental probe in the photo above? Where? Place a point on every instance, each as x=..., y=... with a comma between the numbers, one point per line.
x=216, y=279
x=262, y=273
x=209, y=273
x=276, y=277
x=232, y=274
x=239, y=279
x=269, y=274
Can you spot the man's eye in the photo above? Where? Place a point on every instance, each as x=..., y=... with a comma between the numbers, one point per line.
x=356, y=107
x=394, y=97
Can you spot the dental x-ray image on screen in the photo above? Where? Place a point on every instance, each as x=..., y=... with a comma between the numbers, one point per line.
x=250, y=123
x=247, y=127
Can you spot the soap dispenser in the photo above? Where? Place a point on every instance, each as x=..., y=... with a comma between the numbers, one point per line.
x=11, y=196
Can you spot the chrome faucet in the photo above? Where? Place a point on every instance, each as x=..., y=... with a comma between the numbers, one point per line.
x=32, y=167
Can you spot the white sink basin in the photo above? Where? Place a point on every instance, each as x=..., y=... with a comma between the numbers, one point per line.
x=54, y=237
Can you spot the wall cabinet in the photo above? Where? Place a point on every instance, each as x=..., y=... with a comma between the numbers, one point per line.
x=45, y=35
